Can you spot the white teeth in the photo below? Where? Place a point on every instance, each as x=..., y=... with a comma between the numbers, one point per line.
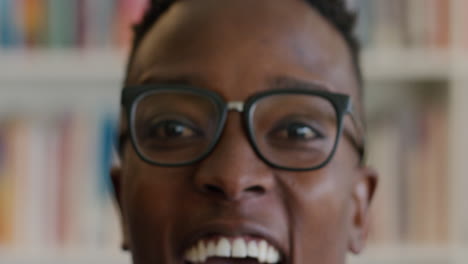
x=202, y=256
x=276, y=259
x=224, y=248
x=272, y=255
x=252, y=249
x=262, y=251
x=211, y=251
x=235, y=248
x=192, y=255
x=239, y=248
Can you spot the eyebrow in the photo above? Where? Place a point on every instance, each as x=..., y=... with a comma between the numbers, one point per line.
x=156, y=77
x=285, y=82
x=168, y=80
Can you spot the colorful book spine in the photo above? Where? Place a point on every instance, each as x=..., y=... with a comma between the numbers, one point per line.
x=62, y=23
x=5, y=188
x=34, y=22
x=10, y=35
x=99, y=21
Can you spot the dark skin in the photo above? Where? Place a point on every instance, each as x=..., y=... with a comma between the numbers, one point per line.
x=238, y=48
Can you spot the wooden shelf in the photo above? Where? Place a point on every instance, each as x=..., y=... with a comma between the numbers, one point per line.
x=56, y=79
x=61, y=65
x=406, y=65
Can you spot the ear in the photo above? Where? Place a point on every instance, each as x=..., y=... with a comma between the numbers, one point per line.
x=116, y=178
x=363, y=193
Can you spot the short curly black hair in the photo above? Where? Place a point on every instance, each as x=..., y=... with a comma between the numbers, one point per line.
x=334, y=11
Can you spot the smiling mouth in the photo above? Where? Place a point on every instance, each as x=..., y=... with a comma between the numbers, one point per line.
x=232, y=249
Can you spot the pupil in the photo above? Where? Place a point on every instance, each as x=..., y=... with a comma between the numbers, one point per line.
x=299, y=131
x=174, y=129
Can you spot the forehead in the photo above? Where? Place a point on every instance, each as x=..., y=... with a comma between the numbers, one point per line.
x=236, y=47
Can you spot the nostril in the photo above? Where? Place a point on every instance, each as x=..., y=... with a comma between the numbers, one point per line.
x=257, y=189
x=216, y=190
x=210, y=188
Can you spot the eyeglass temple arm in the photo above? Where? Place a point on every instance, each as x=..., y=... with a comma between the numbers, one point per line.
x=360, y=142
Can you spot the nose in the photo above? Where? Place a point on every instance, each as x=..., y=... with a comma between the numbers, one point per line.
x=233, y=171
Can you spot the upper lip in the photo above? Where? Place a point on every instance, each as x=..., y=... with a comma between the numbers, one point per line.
x=232, y=229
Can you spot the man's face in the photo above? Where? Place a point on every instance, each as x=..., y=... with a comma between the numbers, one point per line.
x=235, y=48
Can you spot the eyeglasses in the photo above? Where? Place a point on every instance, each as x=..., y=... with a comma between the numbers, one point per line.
x=291, y=129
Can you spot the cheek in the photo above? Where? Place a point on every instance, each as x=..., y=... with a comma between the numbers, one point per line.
x=150, y=194
x=320, y=202
x=324, y=202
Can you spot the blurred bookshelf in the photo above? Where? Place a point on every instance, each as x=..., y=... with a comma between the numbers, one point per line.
x=59, y=99
x=415, y=65
x=61, y=67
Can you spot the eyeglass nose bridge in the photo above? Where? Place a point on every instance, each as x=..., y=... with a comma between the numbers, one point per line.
x=237, y=106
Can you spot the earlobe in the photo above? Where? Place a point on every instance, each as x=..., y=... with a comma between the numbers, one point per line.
x=116, y=178
x=363, y=193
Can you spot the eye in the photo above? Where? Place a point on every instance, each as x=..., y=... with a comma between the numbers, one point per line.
x=297, y=131
x=170, y=129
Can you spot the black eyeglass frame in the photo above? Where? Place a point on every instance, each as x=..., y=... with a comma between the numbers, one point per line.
x=132, y=95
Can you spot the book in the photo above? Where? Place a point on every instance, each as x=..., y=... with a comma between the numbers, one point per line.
x=99, y=20
x=6, y=187
x=385, y=146
x=62, y=23
x=10, y=23
x=34, y=22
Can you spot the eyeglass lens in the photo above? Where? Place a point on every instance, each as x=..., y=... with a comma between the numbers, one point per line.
x=175, y=127
x=295, y=131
